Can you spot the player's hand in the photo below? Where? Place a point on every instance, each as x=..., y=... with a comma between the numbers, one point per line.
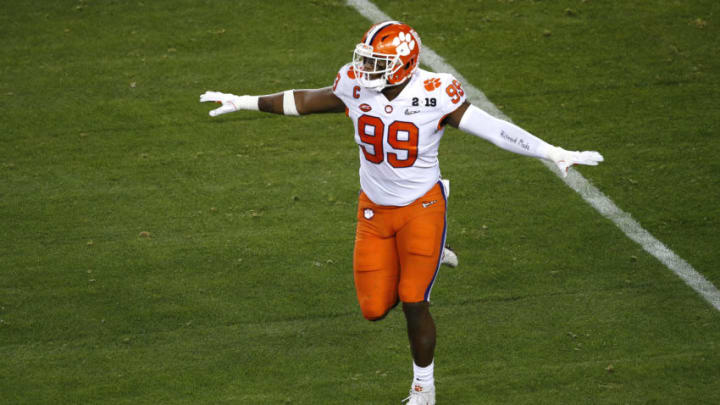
x=563, y=159
x=230, y=102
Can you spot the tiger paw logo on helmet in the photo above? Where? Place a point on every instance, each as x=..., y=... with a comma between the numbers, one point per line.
x=404, y=43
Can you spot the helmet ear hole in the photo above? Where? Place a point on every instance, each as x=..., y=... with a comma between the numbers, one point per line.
x=410, y=63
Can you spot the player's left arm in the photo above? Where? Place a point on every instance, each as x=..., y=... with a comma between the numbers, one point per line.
x=511, y=137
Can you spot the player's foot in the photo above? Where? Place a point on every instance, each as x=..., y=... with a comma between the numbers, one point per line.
x=421, y=397
x=449, y=258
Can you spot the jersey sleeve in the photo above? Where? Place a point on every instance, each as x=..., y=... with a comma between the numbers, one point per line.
x=344, y=83
x=452, y=94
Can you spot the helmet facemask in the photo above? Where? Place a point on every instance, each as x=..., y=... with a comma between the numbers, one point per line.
x=373, y=70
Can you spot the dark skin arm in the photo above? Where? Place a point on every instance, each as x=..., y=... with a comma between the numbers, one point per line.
x=454, y=118
x=312, y=101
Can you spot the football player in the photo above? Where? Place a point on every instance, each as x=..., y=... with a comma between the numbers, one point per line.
x=399, y=112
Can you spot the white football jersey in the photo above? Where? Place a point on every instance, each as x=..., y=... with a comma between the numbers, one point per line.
x=399, y=139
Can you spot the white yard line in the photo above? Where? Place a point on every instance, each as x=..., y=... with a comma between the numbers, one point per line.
x=604, y=205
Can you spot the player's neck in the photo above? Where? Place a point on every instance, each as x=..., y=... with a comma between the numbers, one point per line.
x=392, y=92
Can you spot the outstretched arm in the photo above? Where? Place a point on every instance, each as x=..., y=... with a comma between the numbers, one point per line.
x=290, y=102
x=509, y=136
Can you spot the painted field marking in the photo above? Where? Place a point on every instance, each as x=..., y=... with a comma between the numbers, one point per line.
x=604, y=205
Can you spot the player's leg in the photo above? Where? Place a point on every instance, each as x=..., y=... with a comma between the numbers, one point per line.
x=420, y=259
x=420, y=244
x=421, y=332
x=376, y=271
x=420, y=247
x=376, y=266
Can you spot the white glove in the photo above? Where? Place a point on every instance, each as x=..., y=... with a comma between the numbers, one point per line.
x=563, y=159
x=230, y=102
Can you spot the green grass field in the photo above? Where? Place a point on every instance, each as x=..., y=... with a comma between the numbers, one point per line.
x=150, y=254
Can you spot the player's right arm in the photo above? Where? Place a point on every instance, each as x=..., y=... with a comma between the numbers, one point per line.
x=290, y=102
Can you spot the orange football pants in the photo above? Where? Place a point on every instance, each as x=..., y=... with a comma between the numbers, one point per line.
x=398, y=251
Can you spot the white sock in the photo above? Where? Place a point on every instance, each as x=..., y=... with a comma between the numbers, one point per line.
x=424, y=376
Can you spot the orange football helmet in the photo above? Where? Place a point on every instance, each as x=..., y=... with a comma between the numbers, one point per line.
x=387, y=56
